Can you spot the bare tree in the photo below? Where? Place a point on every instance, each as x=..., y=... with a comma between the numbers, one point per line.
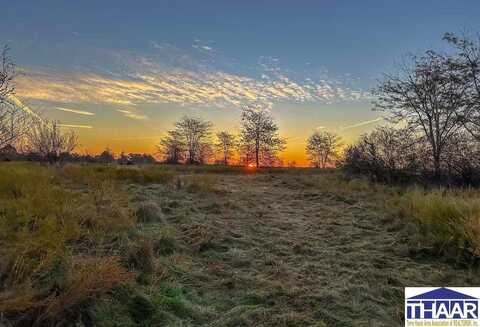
x=386, y=154
x=7, y=74
x=322, y=148
x=465, y=63
x=172, y=147
x=205, y=153
x=425, y=97
x=225, y=144
x=13, y=120
x=46, y=139
x=194, y=132
x=13, y=123
x=260, y=135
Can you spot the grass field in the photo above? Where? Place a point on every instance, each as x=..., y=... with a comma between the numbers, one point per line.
x=214, y=246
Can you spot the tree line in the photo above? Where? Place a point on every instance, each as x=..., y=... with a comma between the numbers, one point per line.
x=433, y=106
x=258, y=143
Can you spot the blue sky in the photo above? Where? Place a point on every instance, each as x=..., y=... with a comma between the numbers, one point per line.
x=136, y=66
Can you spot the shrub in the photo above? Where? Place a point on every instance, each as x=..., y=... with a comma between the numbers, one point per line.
x=166, y=243
x=140, y=308
x=148, y=212
x=140, y=256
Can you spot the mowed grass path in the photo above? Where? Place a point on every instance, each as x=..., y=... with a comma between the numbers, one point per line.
x=288, y=250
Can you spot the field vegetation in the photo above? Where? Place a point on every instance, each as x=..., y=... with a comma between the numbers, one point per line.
x=159, y=245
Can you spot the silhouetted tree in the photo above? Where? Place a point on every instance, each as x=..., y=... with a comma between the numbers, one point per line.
x=425, y=97
x=260, y=135
x=225, y=145
x=172, y=147
x=46, y=139
x=7, y=74
x=205, y=153
x=106, y=156
x=141, y=158
x=194, y=133
x=465, y=64
x=13, y=120
x=386, y=154
x=322, y=148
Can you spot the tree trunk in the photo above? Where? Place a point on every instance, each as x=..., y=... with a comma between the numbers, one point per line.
x=436, y=165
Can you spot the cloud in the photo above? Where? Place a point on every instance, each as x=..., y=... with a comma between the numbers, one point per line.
x=175, y=76
x=132, y=115
x=75, y=126
x=75, y=111
x=362, y=123
x=179, y=87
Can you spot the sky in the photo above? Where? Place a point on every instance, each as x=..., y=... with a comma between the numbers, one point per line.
x=122, y=72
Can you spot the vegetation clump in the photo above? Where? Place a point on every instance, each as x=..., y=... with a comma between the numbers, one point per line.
x=448, y=220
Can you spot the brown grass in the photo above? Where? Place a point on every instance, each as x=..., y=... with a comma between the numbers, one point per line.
x=44, y=226
x=219, y=247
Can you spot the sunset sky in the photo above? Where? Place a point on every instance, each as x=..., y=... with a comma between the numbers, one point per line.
x=121, y=72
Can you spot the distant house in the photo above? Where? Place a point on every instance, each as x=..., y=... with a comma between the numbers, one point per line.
x=8, y=153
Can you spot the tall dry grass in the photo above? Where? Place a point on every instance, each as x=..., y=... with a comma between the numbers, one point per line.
x=448, y=220
x=57, y=242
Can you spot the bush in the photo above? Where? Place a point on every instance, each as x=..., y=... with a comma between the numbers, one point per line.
x=149, y=212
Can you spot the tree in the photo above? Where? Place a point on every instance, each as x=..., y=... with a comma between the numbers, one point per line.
x=322, y=148
x=260, y=135
x=13, y=120
x=465, y=63
x=172, y=147
x=386, y=154
x=205, y=153
x=7, y=74
x=425, y=97
x=106, y=156
x=46, y=139
x=141, y=158
x=225, y=144
x=194, y=132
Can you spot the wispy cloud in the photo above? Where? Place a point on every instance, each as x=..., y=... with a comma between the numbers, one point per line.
x=132, y=115
x=362, y=123
x=75, y=111
x=176, y=77
x=75, y=126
